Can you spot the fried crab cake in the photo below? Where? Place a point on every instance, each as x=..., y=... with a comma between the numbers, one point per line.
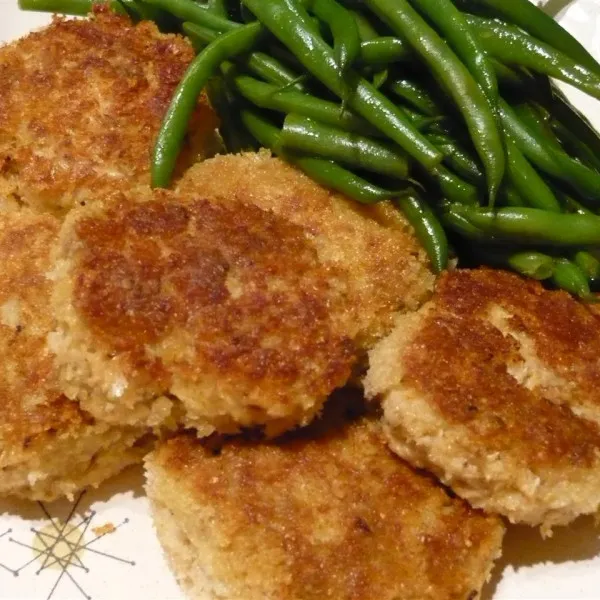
x=494, y=386
x=175, y=305
x=48, y=446
x=81, y=102
x=388, y=269
x=321, y=514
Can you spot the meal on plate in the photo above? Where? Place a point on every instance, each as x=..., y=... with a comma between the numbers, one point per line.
x=329, y=267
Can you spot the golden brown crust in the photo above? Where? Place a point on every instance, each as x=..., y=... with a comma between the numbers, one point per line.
x=332, y=515
x=494, y=386
x=566, y=337
x=387, y=269
x=474, y=389
x=80, y=105
x=229, y=309
x=31, y=400
x=39, y=426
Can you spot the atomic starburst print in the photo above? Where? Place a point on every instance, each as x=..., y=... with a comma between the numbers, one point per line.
x=62, y=546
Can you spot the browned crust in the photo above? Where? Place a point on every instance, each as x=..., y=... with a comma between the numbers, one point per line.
x=182, y=289
x=31, y=400
x=460, y=361
x=81, y=102
x=566, y=336
x=330, y=515
x=49, y=447
x=387, y=270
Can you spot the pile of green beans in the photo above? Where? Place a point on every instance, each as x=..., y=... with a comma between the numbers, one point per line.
x=445, y=107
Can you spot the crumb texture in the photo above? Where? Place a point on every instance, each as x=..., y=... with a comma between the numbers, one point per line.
x=81, y=103
x=226, y=309
x=387, y=269
x=493, y=385
x=319, y=515
x=48, y=446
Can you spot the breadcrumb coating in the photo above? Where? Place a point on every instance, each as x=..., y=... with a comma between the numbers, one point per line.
x=81, y=102
x=494, y=386
x=387, y=268
x=328, y=513
x=170, y=304
x=49, y=447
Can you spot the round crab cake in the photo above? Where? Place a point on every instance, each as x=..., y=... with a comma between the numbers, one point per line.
x=49, y=447
x=494, y=386
x=220, y=316
x=326, y=513
x=81, y=103
x=389, y=269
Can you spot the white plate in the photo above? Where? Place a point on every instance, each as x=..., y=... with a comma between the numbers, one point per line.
x=71, y=552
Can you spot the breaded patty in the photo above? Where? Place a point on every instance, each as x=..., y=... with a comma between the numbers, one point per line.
x=387, y=268
x=329, y=513
x=81, y=102
x=223, y=317
x=48, y=446
x=495, y=386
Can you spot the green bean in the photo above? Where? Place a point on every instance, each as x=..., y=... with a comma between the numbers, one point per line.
x=231, y=130
x=532, y=264
x=569, y=204
x=288, y=23
x=259, y=63
x=527, y=181
x=528, y=263
x=218, y=7
x=380, y=78
x=421, y=122
x=532, y=225
x=575, y=146
x=457, y=159
x=139, y=11
x=117, y=7
x=329, y=174
x=584, y=180
x=341, y=22
x=132, y=9
x=573, y=121
x=509, y=76
x=461, y=225
x=427, y=227
x=554, y=162
x=537, y=23
x=65, y=7
x=324, y=172
x=311, y=137
x=416, y=95
x=528, y=143
x=455, y=79
x=270, y=97
x=184, y=101
x=452, y=187
x=588, y=264
x=511, y=45
x=365, y=29
x=384, y=50
x=569, y=277
x=199, y=35
x=188, y=10
x=510, y=197
x=452, y=25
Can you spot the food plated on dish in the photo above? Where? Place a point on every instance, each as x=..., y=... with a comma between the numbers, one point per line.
x=241, y=220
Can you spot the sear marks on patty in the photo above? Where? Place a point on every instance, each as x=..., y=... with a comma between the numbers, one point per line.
x=226, y=309
x=81, y=103
x=327, y=513
x=493, y=385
